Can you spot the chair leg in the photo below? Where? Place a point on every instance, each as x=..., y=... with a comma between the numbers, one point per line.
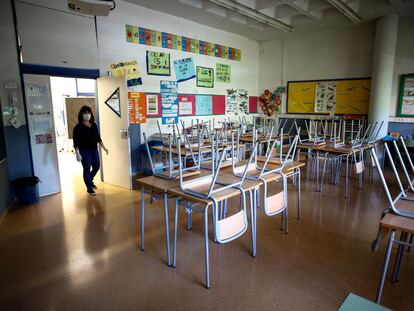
x=167, y=230
x=252, y=210
x=175, y=233
x=398, y=258
x=207, y=263
x=142, y=217
x=189, y=218
x=385, y=268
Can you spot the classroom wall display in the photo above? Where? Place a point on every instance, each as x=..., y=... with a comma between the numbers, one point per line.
x=243, y=99
x=137, y=107
x=270, y=102
x=169, y=101
x=158, y=63
x=204, y=105
x=186, y=105
x=165, y=40
x=325, y=98
x=130, y=70
x=231, y=102
x=184, y=69
x=223, y=73
x=237, y=102
x=406, y=98
x=114, y=102
x=351, y=96
x=152, y=104
x=205, y=77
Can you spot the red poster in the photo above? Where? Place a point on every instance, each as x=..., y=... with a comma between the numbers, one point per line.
x=137, y=107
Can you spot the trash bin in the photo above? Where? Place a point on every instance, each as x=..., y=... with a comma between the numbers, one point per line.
x=26, y=190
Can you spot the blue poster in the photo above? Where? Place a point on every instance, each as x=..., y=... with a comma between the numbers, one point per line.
x=184, y=69
x=204, y=105
x=169, y=102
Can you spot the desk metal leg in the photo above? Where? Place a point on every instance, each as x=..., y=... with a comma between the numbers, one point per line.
x=252, y=220
x=142, y=217
x=298, y=187
x=207, y=263
x=398, y=258
x=167, y=230
x=177, y=202
x=189, y=218
x=385, y=268
x=323, y=171
x=347, y=177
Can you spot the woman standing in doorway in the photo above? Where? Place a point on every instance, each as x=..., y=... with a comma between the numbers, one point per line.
x=85, y=141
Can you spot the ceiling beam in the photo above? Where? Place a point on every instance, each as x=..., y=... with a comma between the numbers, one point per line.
x=252, y=13
x=346, y=10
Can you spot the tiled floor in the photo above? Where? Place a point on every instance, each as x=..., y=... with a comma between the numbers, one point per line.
x=76, y=252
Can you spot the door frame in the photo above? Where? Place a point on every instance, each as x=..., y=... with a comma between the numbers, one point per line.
x=66, y=72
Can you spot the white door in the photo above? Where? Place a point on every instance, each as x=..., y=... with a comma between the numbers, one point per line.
x=113, y=124
x=42, y=132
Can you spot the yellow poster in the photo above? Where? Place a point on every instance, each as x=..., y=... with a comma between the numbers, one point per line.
x=128, y=69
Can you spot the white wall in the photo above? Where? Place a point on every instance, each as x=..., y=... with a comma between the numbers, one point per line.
x=113, y=47
x=339, y=53
x=404, y=62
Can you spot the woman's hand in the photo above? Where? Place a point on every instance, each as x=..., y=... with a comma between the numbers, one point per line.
x=78, y=156
x=104, y=148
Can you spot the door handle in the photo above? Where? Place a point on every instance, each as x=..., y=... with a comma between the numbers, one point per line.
x=124, y=134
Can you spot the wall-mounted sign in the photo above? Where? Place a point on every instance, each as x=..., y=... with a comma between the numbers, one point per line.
x=158, y=63
x=205, y=77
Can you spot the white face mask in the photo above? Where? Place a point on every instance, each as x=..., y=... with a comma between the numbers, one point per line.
x=86, y=116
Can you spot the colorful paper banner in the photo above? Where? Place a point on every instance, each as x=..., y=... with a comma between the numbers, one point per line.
x=205, y=77
x=223, y=73
x=184, y=69
x=169, y=101
x=170, y=41
x=158, y=63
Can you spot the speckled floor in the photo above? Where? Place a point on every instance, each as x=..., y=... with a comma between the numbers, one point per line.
x=76, y=252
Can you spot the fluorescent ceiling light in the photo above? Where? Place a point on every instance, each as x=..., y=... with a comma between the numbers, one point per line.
x=253, y=14
x=346, y=10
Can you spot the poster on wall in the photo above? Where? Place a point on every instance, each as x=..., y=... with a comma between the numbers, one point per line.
x=406, y=99
x=325, y=98
x=204, y=105
x=128, y=69
x=184, y=69
x=169, y=101
x=205, y=77
x=158, y=63
x=136, y=107
x=152, y=104
x=231, y=102
x=243, y=101
x=186, y=105
x=223, y=73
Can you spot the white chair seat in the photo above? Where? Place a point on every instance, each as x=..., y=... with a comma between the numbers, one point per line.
x=275, y=204
x=231, y=227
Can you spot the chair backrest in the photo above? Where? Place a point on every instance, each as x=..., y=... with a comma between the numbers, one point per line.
x=401, y=192
x=404, y=167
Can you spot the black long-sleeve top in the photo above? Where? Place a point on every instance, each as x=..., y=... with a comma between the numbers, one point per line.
x=85, y=137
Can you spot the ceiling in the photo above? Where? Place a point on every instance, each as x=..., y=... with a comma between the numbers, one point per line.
x=256, y=19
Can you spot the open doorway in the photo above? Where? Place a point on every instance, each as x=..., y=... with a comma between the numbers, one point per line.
x=68, y=96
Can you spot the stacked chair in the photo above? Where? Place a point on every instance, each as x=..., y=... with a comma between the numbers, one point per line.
x=399, y=216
